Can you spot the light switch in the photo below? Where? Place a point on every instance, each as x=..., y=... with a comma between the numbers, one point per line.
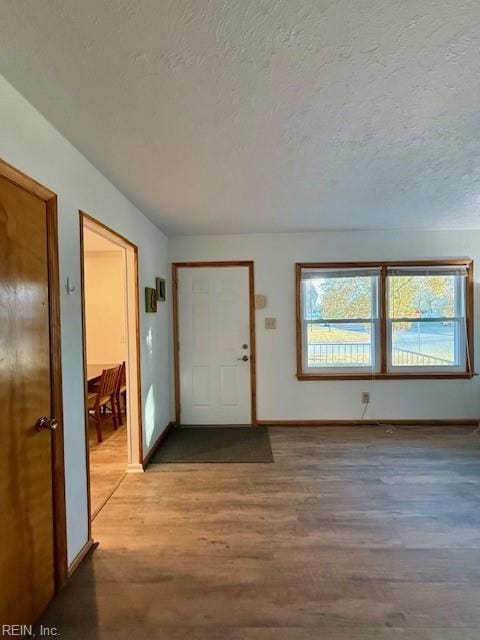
x=270, y=323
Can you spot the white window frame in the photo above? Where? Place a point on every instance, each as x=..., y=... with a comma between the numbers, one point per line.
x=373, y=320
x=461, y=334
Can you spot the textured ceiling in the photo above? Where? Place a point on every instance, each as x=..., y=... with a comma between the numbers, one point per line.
x=263, y=115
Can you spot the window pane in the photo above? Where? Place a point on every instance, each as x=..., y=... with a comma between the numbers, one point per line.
x=425, y=320
x=417, y=296
x=339, y=298
x=340, y=344
x=427, y=344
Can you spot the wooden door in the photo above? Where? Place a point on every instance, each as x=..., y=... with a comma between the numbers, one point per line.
x=215, y=349
x=27, y=572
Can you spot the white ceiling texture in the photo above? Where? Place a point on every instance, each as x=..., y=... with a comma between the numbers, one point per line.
x=237, y=116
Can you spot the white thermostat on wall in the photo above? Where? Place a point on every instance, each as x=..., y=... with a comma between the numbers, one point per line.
x=260, y=301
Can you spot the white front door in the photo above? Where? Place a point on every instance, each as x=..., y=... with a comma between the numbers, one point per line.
x=214, y=345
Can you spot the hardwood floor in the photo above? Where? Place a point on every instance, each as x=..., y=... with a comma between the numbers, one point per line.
x=352, y=534
x=108, y=462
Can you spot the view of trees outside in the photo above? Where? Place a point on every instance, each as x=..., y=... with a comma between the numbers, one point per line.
x=421, y=296
x=427, y=343
x=339, y=298
x=427, y=297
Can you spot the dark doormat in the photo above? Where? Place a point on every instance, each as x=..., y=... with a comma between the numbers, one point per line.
x=215, y=444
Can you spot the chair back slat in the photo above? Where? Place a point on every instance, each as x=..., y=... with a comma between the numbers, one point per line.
x=121, y=378
x=108, y=381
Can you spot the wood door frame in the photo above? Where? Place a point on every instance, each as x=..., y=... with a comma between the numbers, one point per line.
x=253, y=355
x=85, y=217
x=33, y=187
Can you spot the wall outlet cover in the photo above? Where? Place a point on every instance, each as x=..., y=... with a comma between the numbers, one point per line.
x=270, y=323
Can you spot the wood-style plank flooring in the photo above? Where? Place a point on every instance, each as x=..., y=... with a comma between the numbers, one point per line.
x=352, y=534
x=108, y=462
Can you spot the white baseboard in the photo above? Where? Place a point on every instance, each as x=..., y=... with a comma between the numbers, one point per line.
x=135, y=468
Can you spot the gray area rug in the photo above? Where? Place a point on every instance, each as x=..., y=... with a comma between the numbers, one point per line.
x=215, y=444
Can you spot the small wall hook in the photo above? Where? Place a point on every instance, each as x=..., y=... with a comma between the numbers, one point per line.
x=70, y=288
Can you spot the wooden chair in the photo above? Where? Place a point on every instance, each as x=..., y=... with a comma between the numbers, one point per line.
x=103, y=395
x=120, y=389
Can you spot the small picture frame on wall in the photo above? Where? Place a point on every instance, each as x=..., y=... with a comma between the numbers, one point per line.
x=150, y=300
x=161, y=289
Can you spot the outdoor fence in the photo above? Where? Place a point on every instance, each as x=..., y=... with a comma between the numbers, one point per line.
x=358, y=354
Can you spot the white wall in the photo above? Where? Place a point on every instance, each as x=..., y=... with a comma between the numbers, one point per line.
x=31, y=144
x=105, y=307
x=280, y=395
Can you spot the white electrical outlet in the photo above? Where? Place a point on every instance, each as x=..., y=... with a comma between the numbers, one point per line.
x=365, y=397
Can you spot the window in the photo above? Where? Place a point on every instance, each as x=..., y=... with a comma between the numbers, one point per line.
x=384, y=320
x=426, y=319
x=340, y=320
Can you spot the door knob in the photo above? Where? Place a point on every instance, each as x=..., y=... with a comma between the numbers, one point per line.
x=46, y=424
x=244, y=358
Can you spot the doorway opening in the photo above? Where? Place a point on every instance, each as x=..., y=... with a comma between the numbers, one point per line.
x=111, y=359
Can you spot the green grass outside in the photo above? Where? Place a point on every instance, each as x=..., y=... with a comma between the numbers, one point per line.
x=319, y=333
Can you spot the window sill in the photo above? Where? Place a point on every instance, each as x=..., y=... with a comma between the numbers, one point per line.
x=386, y=376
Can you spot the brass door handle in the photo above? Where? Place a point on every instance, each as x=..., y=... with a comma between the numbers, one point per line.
x=244, y=358
x=46, y=424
